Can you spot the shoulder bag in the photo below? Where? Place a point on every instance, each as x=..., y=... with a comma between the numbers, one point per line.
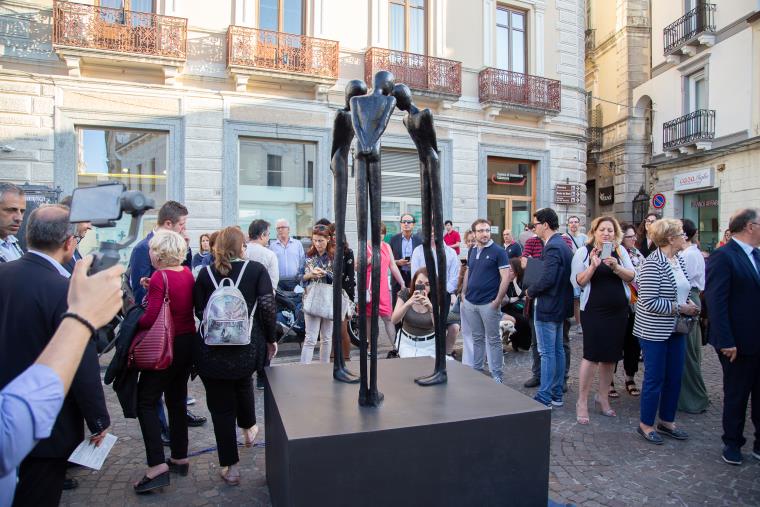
x=153, y=349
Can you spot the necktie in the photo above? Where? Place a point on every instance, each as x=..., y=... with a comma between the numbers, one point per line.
x=756, y=256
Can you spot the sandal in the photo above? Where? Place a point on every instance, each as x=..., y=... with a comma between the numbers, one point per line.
x=232, y=478
x=581, y=419
x=630, y=386
x=147, y=484
x=613, y=392
x=249, y=435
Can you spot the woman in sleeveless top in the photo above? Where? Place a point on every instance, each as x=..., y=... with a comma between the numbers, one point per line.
x=415, y=313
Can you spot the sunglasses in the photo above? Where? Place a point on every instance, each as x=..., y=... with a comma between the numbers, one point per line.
x=320, y=228
x=407, y=221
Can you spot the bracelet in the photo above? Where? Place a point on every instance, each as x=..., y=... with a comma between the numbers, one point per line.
x=86, y=323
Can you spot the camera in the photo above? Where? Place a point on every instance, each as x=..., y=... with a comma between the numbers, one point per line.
x=102, y=205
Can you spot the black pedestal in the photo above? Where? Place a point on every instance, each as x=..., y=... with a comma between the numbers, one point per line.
x=468, y=442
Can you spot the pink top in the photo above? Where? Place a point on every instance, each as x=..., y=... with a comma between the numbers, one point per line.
x=180, y=300
x=385, y=292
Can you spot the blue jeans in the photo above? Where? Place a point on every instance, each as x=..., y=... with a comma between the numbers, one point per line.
x=549, y=339
x=663, y=367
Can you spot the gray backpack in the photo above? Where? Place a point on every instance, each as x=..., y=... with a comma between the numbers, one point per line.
x=226, y=320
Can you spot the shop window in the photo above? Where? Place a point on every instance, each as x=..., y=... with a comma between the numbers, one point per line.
x=274, y=183
x=702, y=209
x=511, y=39
x=137, y=158
x=407, y=26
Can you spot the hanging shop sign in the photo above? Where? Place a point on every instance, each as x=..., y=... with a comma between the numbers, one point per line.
x=607, y=196
x=704, y=178
x=567, y=194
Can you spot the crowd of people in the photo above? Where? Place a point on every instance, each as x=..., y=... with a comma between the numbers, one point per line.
x=633, y=295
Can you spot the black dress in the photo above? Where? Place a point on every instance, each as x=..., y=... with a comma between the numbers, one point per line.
x=605, y=317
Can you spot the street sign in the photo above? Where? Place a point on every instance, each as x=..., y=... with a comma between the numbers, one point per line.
x=658, y=201
x=567, y=194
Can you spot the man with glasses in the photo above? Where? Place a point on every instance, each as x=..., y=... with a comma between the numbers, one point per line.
x=485, y=284
x=82, y=228
x=290, y=256
x=402, y=246
x=732, y=290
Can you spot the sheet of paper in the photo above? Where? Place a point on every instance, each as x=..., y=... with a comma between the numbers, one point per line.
x=87, y=455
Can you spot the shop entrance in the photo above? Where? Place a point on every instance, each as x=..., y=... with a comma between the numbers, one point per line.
x=511, y=195
x=702, y=209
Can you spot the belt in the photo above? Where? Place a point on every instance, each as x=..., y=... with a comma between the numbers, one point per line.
x=418, y=338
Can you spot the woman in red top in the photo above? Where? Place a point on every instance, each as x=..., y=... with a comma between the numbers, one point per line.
x=167, y=251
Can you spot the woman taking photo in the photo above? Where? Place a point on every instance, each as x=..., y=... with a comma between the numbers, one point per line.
x=663, y=298
x=602, y=271
x=414, y=312
x=318, y=269
x=167, y=252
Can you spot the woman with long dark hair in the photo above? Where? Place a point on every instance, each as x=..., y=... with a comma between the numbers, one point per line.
x=645, y=244
x=318, y=269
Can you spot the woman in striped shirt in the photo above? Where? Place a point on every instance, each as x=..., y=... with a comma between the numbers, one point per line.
x=663, y=296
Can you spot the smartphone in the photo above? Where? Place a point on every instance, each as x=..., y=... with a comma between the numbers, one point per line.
x=419, y=288
x=606, y=250
x=408, y=259
x=98, y=204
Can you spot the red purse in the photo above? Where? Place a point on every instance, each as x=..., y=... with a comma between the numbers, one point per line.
x=153, y=349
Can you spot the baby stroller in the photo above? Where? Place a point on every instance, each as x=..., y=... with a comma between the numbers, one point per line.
x=290, y=320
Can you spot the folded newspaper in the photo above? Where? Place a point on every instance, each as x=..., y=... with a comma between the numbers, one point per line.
x=87, y=455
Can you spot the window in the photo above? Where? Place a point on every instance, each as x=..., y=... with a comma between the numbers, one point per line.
x=696, y=92
x=407, y=26
x=116, y=17
x=273, y=184
x=281, y=15
x=511, y=47
x=137, y=158
x=401, y=188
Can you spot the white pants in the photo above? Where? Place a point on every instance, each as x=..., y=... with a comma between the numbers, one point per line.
x=316, y=327
x=467, y=353
x=412, y=348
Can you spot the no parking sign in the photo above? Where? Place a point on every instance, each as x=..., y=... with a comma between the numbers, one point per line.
x=658, y=201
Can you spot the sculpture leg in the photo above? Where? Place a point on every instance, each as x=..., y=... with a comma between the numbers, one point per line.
x=433, y=217
x=340, y=183
x=375, y=397
x=361, y=254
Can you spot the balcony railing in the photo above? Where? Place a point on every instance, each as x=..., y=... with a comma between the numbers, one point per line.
x=282, y=52
x=141, y=33
x=521, y=90
x=699, y=20
x=418, y=72
x=594, y=135
x=689, y=129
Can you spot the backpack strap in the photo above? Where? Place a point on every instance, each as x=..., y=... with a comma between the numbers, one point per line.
x=211, y=275
x=240, y=275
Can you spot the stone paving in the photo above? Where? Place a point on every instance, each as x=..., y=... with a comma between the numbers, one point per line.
x=604, y=463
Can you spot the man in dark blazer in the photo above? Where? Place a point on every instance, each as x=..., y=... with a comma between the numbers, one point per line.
x=402, y=246
x=32, y=300
x=732, y=292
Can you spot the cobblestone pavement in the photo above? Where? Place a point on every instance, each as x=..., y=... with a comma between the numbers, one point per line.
x=604, y=463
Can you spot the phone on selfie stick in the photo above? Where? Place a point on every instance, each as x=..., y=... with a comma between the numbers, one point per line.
x=102, y=205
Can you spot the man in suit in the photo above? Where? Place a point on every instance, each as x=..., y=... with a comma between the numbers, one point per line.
x=12, y=207
x=82, y=229
x=402, y=246
x=732, y=290
x=32, y=302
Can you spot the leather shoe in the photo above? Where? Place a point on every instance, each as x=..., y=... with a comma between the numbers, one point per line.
x=532, y=382
x=195, y=420
x=672, y=433
x=70, y=484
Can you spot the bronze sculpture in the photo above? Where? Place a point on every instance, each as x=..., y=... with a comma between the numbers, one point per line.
x=419, y=124
x=343, y=134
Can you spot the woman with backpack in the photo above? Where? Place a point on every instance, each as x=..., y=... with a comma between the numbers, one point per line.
x=234, y=300
x=602, y=270
x=173, y=282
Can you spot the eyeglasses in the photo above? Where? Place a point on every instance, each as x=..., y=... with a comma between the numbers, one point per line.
x=407, y=221
x=630, y=237
x=78, y=238
x=482, y=230
x=537, y=224
x=282, y=227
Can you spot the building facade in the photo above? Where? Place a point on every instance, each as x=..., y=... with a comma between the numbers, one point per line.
x=229, y=109
x=706, y=142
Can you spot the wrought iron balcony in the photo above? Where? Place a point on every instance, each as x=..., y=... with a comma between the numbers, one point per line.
x=690, y=26
x=594, y=136
x=522, y=91
x=143, y=34
x=419, y=72
x=694, y=129
x=278, y=52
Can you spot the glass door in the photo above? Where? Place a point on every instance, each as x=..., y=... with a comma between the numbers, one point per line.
x=508, y=213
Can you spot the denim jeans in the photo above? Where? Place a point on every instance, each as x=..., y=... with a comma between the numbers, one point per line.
x=549, y=339
x=663, y=367
x=535, y=367
x=486, y=337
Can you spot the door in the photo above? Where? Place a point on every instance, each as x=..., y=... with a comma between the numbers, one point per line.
x=508, y=213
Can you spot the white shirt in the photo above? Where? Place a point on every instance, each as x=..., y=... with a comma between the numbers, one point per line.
x=747, y=250
x=57, y=265
x=9, y=249
x=695, y=266
x=578, y=240
x=258, y=253
x=452, y=266
x=683, y=286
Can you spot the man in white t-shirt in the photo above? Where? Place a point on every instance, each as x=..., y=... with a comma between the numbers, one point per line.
x=579, y=240
x=257, y=249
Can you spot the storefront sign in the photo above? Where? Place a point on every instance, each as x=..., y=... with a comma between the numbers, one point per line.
x=567, y=194
x=607, y=196
x=693, y=180
x=509, y=179
x=709, y=203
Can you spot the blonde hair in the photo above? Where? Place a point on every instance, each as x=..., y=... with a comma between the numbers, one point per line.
x=597, y=222
x=168, y=247
x=663, y=229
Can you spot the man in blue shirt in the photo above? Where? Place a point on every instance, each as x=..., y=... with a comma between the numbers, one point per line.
x=513, y=248
x=290, y=256
x=12, y=207
x=484, y=288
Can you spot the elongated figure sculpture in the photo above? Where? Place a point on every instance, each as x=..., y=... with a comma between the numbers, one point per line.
x=370, y=115
x=343, y=134
x=419, y=124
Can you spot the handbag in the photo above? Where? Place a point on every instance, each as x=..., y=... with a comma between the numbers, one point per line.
x=318, y=301
x=684, y=324
x=153, y=348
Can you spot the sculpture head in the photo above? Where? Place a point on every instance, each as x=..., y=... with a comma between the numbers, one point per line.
x=383, y=83
x=403, y=97
x=354, y=88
